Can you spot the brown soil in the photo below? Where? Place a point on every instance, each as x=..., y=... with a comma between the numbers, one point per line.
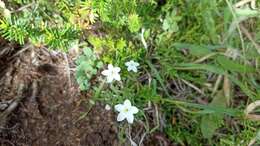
x=42, y=106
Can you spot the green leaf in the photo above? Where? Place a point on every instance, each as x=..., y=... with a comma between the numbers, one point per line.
x=195, y=50
x=134, y=23
x=194, y=66
x=121, y=44
x=88, y=52
x=232, y=65
x=210, y=123
x=247, y=12
x=99, y=64
x=258, y=135
x=170, y=22
x=246, y=90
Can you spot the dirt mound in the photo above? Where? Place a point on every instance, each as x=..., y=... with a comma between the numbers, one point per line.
x=41, y=105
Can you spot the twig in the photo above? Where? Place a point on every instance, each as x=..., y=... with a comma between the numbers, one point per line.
x=12, y=106
x=237, y=25
x=157, y=119
x=28, y=46
x=219, y=79
x=67, y=70
x=143, y=40
x=249, y=36
x=193, y=87
x=227, y=89
x=142, y=139
x=130, y=137
x=6, y=141
x=24, y=7
x=34, y=92
x=205, y=57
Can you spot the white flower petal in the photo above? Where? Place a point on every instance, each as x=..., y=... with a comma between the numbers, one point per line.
x=127, y=104
x=130, y=118
x=128, y=68
x=105, y=72
x=134, y=69
x=121, y=116
x=110, y=79
x=134, y=110
x=117, y=77
x=2, y=4
x=132, y=66
x=119, y=107
x=117, y=69
x=127, y=63
x=107, y=107
x=110, y=67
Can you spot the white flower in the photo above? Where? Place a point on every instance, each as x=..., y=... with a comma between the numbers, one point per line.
x=2, y=4
x=112, y=73
x=126, y=111
x=7, y=13
x=132, y=66
x=107, y=107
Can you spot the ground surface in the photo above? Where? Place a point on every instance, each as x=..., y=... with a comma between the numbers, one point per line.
x=50, y=106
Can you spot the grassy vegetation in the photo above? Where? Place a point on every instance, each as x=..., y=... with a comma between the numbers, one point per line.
x=199, y=63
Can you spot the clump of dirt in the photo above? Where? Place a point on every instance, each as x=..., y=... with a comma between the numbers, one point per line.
x=41, y=105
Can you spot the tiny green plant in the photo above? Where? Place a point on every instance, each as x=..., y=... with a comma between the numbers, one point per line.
x=186, y=68
x=87, y=67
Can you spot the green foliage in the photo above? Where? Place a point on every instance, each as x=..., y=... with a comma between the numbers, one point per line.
x=258, y=135
x=113, y=50
x=87, y=67
x=115, y=12
x=170, y=23
x=133, y=23
x=14, y=32
x=41, y=24
x=231, y=65
x=183, y=48
x=210, y=123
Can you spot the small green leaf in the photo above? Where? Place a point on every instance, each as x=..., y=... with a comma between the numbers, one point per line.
x=247, y=12
x=210, y=123
x=232, y=65
x=196, y=50
x=121, y=44
x=170, y=22
x=99, y=64
x=134, y=23
x=88, y=52
x=194, y=66
x=258, y=135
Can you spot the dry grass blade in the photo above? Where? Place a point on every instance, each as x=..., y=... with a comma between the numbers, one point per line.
x=249, y=36
x=205, y=57
x=250, y=108
x=227, y=89
x=193, y=86
x=243, y=2
x=252, y=142
x=216, y=86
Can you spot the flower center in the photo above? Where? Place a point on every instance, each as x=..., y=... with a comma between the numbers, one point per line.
x=126, y=110
x=113, y=72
